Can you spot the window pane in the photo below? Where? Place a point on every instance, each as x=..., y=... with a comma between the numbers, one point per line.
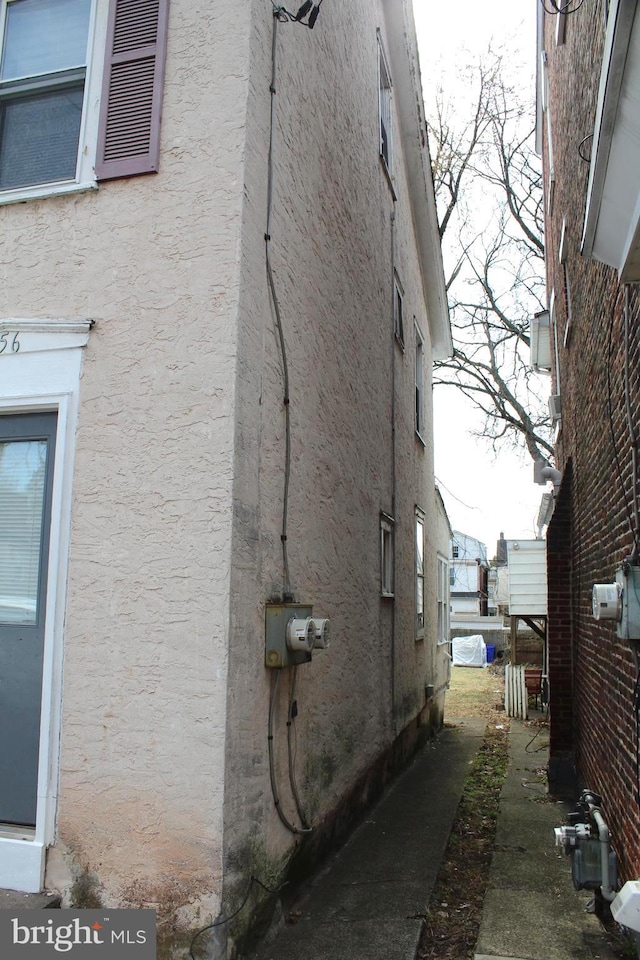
x=22, y=479
x=43, y=36
x=419, y=547
x=39, y=138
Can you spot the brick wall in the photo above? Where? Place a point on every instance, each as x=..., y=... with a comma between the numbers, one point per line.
x=592, y=674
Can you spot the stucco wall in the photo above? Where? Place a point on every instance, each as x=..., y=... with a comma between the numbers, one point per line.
x=331, y=250
x=154, y=261
x=177, y=498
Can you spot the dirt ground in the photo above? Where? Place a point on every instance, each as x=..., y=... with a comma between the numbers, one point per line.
x=453, y=915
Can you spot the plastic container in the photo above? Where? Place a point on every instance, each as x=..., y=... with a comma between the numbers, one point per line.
x=491, y=652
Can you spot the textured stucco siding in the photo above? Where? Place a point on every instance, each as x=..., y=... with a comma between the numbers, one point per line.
x=154, y=261
x=331, y=250
x=164, y=785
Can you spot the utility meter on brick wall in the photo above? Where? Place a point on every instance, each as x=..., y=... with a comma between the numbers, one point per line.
x=620, y=602
x=607, y=601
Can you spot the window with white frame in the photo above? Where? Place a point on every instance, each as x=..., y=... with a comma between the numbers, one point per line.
x=419, y=528
x=387, y=564
x=443, y=599
x=42, y=78
x=419, y=377
x=80, y=94
x=398, y=321
x=385, y=108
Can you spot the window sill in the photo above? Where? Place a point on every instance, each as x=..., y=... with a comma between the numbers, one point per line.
x=421, y=440
x=42, y=191
x=387, y=596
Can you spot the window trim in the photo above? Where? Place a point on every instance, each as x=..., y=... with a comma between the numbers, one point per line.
x=387, y=556
x=418, y=521
x=419, y=383
x=28, y=386
x=84, y=178
x=385, y=109
x=444, y=571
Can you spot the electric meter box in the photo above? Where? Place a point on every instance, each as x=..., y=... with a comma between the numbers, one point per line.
x=629, y=623
x=278, y=652
x=607, y=601
x=625, y=908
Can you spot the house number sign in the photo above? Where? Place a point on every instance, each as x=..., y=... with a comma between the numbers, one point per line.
x=9, y=342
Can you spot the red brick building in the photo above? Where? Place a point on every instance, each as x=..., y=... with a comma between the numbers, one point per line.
x=589, y=138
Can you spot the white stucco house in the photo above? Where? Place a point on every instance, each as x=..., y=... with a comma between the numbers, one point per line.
x=222, y=294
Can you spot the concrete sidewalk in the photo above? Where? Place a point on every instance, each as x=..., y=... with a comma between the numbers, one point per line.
x=531, y=909
x=368, y=902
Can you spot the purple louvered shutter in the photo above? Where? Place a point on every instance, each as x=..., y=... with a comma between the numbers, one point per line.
x=129, y=131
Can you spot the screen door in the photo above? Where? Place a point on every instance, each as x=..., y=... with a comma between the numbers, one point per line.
x=27, y=444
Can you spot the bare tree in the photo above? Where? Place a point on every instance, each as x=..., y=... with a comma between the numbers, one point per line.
x=489, y=195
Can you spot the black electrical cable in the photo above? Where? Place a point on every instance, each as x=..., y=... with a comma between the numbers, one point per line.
x=272, y=773
x=533, y=738
x=564, y=9
x=291, y=714
x=286, y=590
x=580, y=146
x=307, y=8
x=223, y=920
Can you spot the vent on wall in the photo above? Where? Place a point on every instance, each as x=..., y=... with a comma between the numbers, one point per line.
x=555, y=407
x=540, y=340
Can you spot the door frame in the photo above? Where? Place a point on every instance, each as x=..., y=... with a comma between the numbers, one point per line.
x=44, y=376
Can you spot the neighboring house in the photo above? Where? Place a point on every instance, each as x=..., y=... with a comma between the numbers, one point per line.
x=588, y=133
x=527, y=602
x=498, y=585
x=215, y=399
x=469, y=575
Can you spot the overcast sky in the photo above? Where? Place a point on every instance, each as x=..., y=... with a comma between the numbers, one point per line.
x=484, y=495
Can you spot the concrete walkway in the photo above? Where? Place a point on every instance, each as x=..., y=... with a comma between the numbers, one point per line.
x=531, y=909
x=368, y=901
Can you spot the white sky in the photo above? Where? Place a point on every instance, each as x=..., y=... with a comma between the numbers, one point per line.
x=484, y=495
